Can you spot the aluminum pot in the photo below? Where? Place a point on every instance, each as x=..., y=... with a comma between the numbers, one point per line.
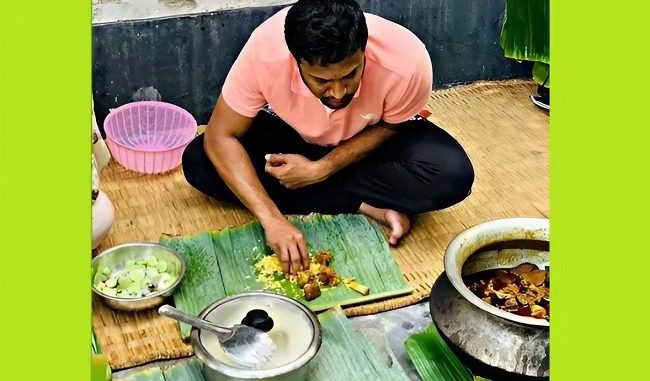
x=463, y=257
x=296, y=332
x=495, y=344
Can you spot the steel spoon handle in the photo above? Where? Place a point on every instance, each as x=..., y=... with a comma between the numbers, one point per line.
x=179, y=315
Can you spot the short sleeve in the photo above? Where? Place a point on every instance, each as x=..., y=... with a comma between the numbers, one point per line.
x=241, y=89
x=411, y=96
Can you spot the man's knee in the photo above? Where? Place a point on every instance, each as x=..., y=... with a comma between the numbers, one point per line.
x=201, y=174
x=446, y=184
x=460, y=179
x=193, y=160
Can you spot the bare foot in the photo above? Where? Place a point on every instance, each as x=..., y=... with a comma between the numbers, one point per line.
x=398, y=223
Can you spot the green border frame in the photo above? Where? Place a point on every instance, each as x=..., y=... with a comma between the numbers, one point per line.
x=599, y=135
x=599, y=208
x=45, y=231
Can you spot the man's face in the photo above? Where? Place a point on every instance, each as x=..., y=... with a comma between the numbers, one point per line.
x=334, y=84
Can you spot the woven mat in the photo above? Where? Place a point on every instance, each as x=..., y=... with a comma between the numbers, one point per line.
x=505, y=135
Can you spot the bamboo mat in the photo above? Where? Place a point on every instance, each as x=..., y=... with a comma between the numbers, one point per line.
x=505, y=135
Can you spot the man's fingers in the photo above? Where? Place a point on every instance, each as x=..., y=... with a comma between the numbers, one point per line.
x=285, y=258
x=296, y=264
x=275, y=159
x=273, y=171
x=304, y=253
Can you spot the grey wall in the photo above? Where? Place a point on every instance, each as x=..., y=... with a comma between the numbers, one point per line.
x=187, y=58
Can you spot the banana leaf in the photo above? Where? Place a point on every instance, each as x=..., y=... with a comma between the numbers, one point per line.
x=99, y=368
x=541, y=74
x=221, y=264
x=346, y=354
x=433, y=359
x=202, y=283
x=95, y=343
x=183, y=370
x=188, y=370
x=150, y=374
x=525, y=31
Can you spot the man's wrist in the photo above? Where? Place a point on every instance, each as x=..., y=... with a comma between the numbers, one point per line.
x=270, y=217
x=326, y=167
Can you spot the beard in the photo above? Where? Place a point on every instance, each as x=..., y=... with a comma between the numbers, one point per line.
x=334, y=104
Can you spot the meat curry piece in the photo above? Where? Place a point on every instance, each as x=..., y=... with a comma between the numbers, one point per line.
x=523, y=290
x=538, y=312
x=327, y=276
x=524, y=268
x=312, y=291
x=318, y=275
x=536, y=277
x=323, y=258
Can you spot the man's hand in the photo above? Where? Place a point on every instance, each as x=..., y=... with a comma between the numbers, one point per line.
x=295, y=171
x=288, y=242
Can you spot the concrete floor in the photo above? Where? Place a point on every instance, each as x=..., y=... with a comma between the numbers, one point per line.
x=393, y=327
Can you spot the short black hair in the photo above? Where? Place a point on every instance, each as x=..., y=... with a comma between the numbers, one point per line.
x=325, y=31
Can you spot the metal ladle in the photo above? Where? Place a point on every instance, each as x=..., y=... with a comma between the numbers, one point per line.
x=246, y=345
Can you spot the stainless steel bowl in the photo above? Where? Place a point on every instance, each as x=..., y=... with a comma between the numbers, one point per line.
x=116, y=257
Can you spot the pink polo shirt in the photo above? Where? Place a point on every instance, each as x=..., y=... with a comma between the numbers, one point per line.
x=395, y=86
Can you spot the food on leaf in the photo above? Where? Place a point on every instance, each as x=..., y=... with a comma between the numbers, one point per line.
x=356, y=286
x=319, y=275
x=312, y=291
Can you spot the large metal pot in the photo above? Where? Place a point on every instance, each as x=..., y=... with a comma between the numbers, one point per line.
x=296, y=332
x=463, y=256
x=507, y=345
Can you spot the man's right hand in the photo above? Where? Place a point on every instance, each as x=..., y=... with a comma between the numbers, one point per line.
x=232, y=162
x=288, y=242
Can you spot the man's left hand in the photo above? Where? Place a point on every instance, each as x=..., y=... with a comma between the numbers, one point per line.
x=295, y=171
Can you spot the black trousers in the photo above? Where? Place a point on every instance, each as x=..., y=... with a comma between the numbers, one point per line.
x=420, y=169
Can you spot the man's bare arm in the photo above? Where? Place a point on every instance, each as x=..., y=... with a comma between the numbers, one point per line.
x=231, y=160
x=295, y=171
x=358, y=147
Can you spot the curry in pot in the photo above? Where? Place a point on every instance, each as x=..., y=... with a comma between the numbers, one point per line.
x=522, y=290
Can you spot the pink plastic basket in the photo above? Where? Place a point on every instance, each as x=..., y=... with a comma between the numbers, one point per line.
x=149, y=137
